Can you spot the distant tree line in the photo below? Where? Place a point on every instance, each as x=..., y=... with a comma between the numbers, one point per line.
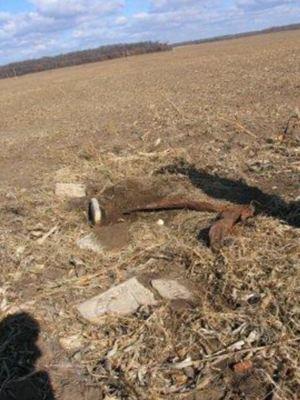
x=81, y=57
x=114, y=51
x=240, y=35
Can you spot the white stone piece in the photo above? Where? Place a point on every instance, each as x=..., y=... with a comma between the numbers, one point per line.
x=70, y=190
x=171, y=289
x=71, y=343
x=123, y=299
x=90, y=242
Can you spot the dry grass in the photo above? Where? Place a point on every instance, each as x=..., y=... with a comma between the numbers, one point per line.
x=219, y=110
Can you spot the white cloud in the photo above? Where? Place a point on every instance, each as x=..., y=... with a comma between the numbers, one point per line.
x=75, y=8
x=262, y=4
x=56, y=26
x=163, y=5
x=53, y=26
x=121, y=21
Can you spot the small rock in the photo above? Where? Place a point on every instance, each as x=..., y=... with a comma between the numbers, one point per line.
x=71, y=343
x=157, y=142
x=160, y=222
x=70, y=190
x=78, y=356
x=80, y=271
x=123, y=299
x=20, y=250
x=80, y=268
x=171, y=289
x=90, y=242
x=189, y=372
x=76, y=262
x=253, y=337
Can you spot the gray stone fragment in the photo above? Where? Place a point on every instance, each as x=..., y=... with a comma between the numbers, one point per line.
x=123, y=299
x=171, y=289
x=70, y=190
x=90, y=242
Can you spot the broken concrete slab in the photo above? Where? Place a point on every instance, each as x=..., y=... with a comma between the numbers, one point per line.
x=123, y=299
x=171, y=289
x=90, y=242
x=70, y=190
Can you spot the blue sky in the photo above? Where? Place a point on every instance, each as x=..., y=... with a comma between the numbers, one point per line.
x=35, y=28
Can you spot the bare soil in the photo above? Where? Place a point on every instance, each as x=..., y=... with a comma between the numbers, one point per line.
x=209, y=122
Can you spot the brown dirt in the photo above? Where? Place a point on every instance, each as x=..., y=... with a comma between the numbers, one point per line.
x=114, y=237
x=204, y=121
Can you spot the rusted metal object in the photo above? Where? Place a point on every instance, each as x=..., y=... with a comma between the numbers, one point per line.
x=177, y=204
x=229, y=216
x=228, y=219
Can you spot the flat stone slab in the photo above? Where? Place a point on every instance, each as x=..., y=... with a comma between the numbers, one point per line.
x=90, y=242
x=70, y=190
x=171, y=289
x=123, y=299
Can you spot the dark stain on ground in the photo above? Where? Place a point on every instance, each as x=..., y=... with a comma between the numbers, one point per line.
x=19, y=353
x=114, y=231
x=237, y=192
x=114, y=236
x=129, y=194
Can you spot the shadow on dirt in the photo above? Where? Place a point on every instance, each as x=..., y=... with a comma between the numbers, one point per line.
x=19, y=353
x=238, y=192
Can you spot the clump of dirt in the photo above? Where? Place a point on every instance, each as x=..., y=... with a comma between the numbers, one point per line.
x=126, y=195
x=129, y=194
x=114, y=231
x=113, y=236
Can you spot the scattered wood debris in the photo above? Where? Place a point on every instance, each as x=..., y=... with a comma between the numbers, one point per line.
x=229, y=216
x=41, y=240
x=70, y=190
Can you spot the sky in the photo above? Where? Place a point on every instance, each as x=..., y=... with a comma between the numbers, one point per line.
x=36, y=28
